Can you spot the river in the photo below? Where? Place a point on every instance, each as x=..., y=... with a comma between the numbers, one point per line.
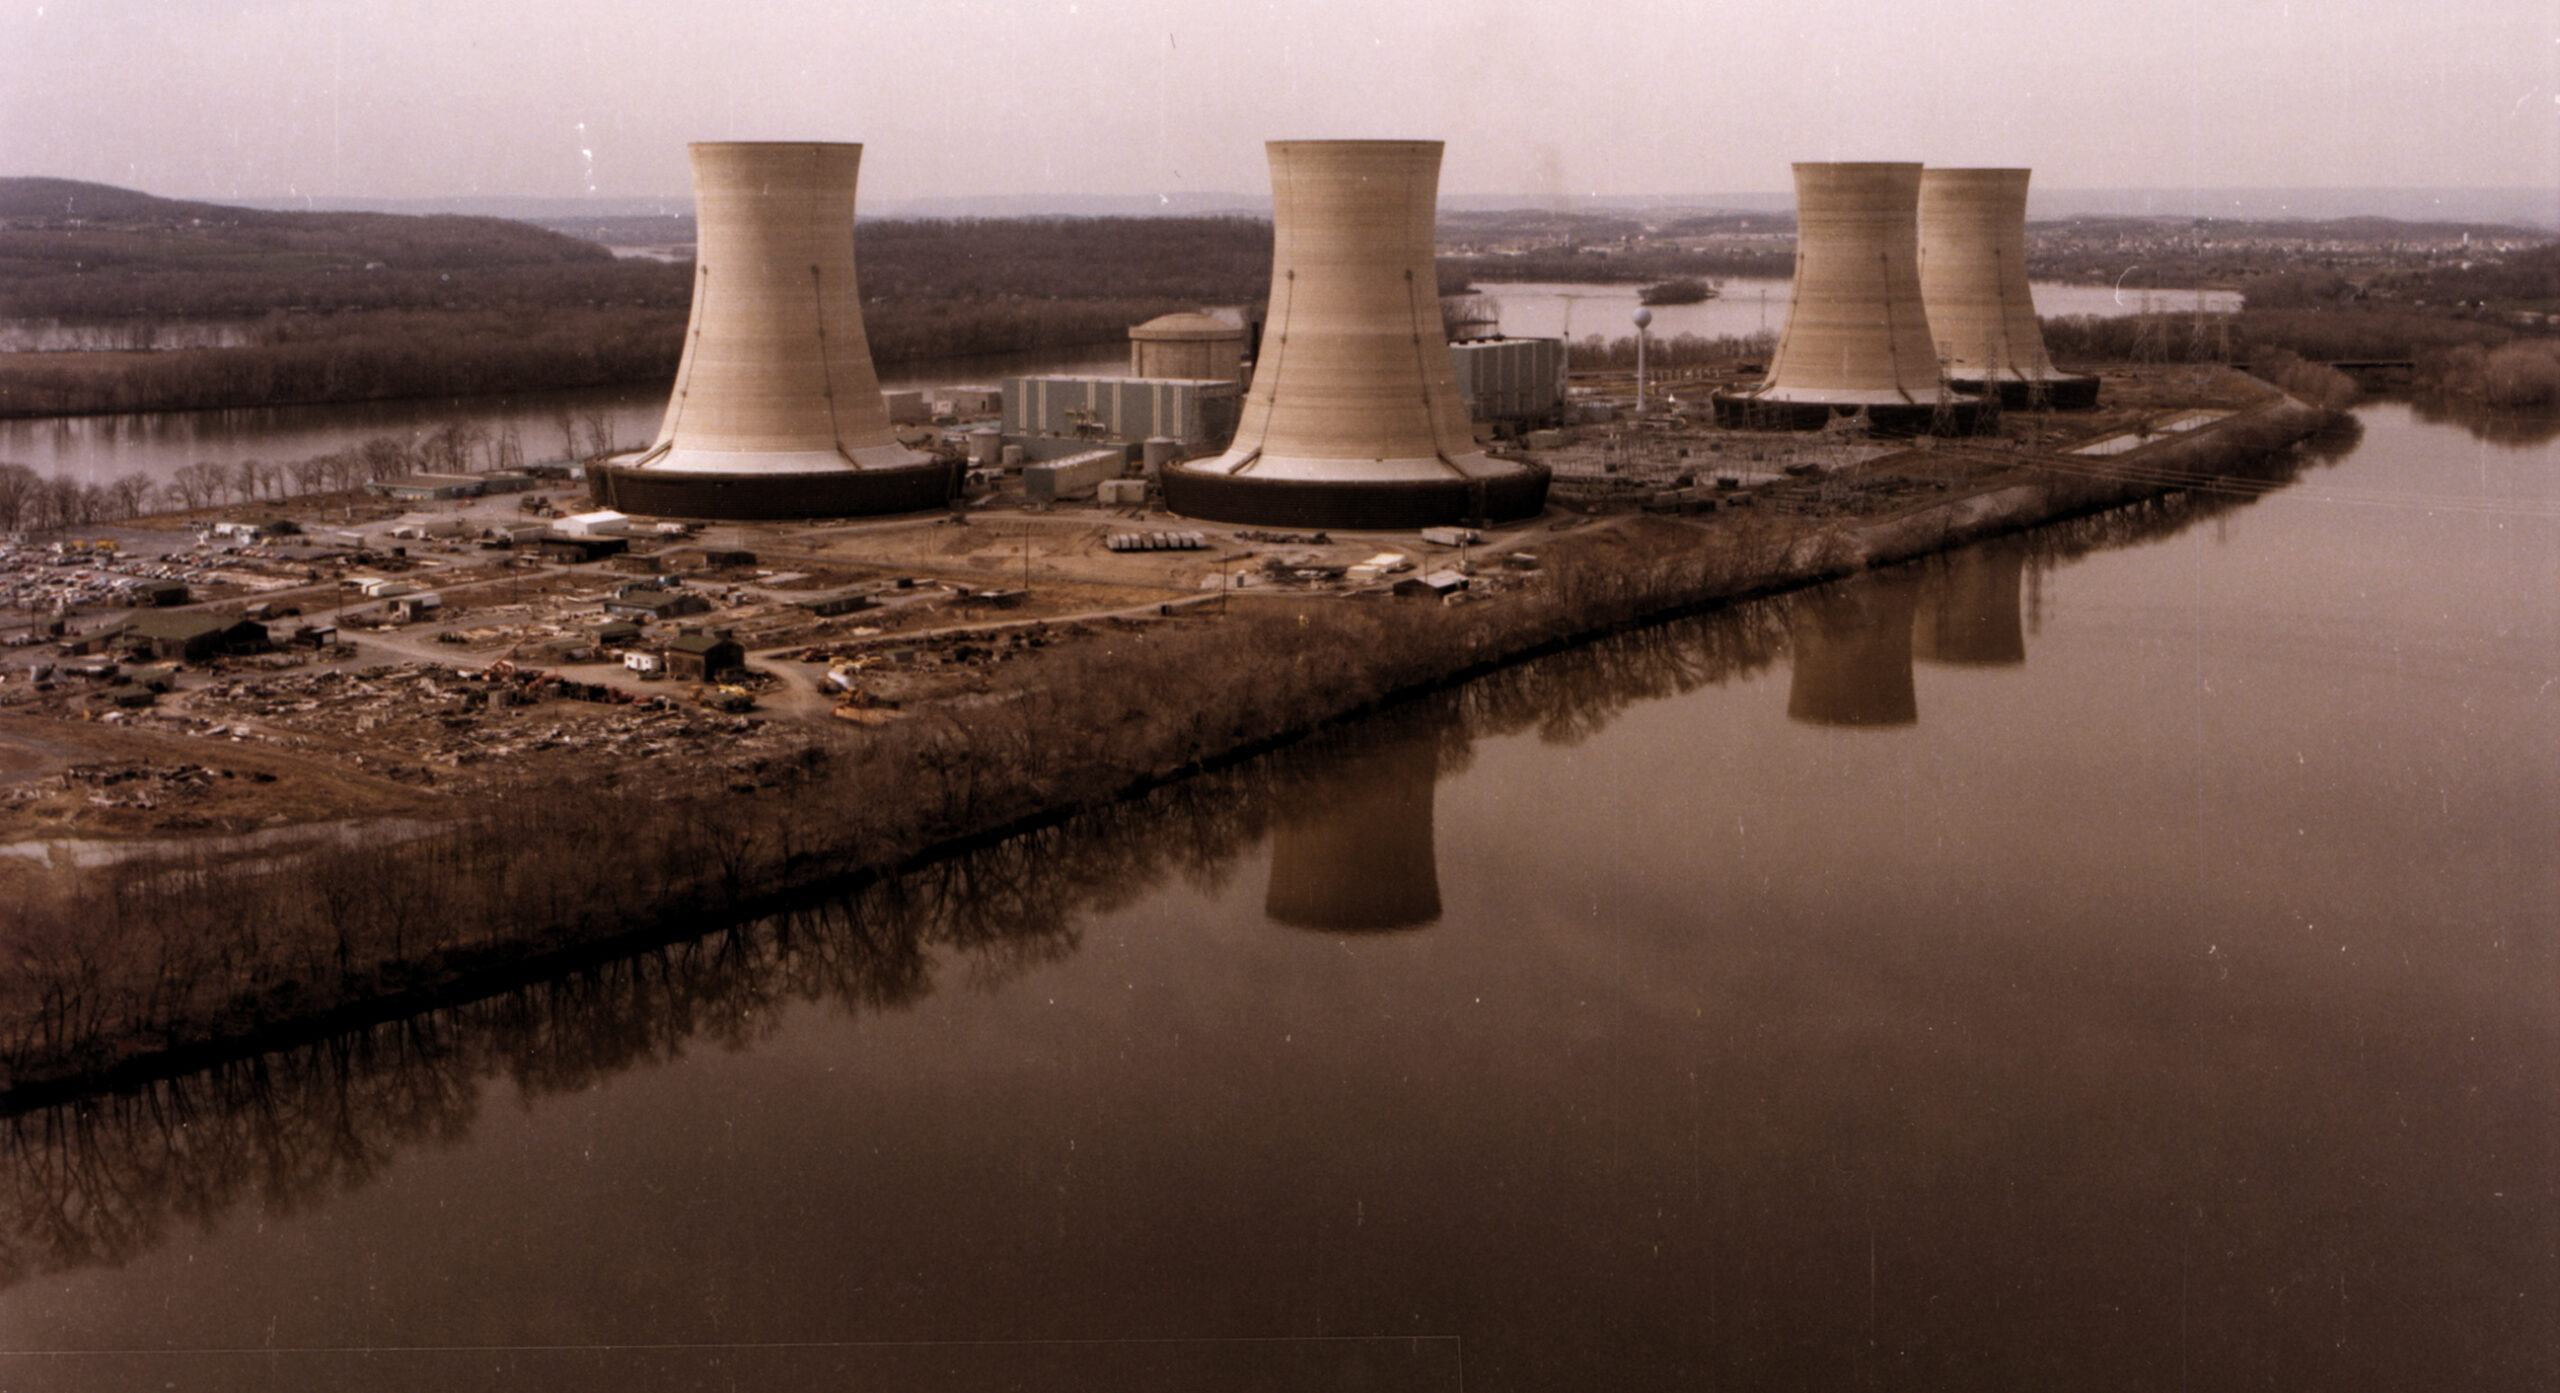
x=1749, y=305
x=2121, y=957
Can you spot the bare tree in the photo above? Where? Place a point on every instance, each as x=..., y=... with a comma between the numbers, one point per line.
x=18, y=488
x=130, y=495
x=198, y=484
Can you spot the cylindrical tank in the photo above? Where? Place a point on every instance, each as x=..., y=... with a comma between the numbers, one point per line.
x=1158, y=452
x=1857, y=334
x=986, y=446
x=1973, y=277
x=776, y=411
x=1354, y=418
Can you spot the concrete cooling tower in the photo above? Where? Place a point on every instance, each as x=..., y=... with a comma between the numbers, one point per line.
x=1973, y=278
x=1354, y=418
x=1857, y=335
x=776, y=412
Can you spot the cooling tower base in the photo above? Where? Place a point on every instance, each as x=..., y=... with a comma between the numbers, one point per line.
x=2060, y=392
x=834, y=493
x=1354, y=506
x=1743, y=411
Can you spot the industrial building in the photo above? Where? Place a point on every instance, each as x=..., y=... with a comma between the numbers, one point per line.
x=1516, y=384
x=1193, y=411
x=1857, y=339
x=1973, y=279
x=777, y=411
x=1354, y=419
x=190, y=635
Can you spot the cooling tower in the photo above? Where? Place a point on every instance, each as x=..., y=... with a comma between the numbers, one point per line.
x=1857, y=335
x=1851, y=644
x=1354, y=418
x=1357, y=856
x=776, y=411
x=1973, y=278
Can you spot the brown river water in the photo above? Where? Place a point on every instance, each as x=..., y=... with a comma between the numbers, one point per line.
x=2125, y=956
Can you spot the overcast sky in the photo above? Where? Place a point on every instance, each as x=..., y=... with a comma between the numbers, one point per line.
x=339, y=98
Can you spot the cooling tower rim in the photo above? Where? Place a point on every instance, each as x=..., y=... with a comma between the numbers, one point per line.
x=692, y=145
x=1842, y=396
x=1355, y=144
x=1255, y=464
x=684, y=460
x=1343, y=505
x=1857, y=166
x=1986, y=173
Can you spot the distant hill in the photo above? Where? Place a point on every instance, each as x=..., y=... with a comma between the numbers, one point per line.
x=152, y=228
x=69, y=248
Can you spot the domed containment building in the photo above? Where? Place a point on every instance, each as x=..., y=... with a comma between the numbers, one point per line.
x=1354, y=418
x=776, y=412
x=1858, y=335
x=1973, y=278
x=1187, y=346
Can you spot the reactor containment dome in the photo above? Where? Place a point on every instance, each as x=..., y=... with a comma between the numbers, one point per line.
x=1857, y=336
x=1973, y=278
x=777, y=411
x=1354, y=419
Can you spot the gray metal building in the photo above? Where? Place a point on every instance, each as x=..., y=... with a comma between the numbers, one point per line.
x=1195, y=411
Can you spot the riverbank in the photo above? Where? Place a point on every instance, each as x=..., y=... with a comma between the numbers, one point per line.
x=164, y=964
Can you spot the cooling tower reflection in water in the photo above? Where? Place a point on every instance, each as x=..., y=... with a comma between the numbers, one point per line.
x=1970, y=611
x=1852, y=651
x=1356, y=856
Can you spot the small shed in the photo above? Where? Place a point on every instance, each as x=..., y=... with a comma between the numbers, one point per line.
x=702, y=657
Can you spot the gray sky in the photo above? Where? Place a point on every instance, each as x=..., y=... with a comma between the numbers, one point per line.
x=341, y=98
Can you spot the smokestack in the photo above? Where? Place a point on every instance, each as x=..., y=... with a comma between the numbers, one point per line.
x=1857, y=335
x=776, y=411
x=1354, y=418
x=1973, y=277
